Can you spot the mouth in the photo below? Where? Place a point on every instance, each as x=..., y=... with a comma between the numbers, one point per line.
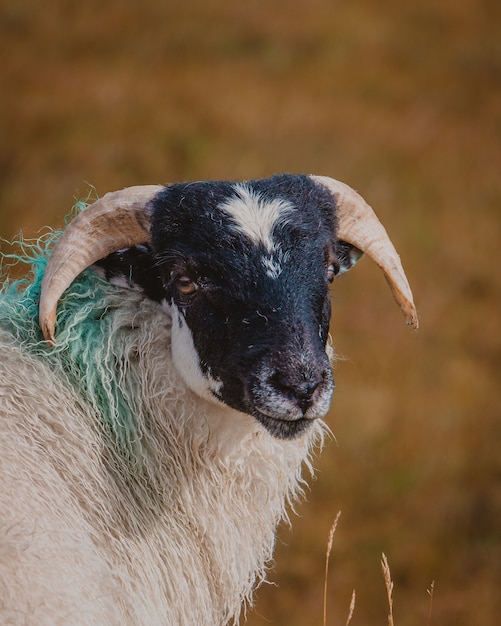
x=281, y=428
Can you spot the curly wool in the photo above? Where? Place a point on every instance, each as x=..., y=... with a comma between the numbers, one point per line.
x=126, y=499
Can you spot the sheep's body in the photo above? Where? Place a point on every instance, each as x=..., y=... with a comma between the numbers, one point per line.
x=132, y=514
x=148, y=456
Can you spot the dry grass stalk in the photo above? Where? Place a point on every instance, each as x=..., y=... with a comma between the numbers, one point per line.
x=327, y=555
x=352, y=608
x=389, y=587
x=430, y=593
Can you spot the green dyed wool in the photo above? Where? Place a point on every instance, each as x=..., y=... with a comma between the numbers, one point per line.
x=93, y=343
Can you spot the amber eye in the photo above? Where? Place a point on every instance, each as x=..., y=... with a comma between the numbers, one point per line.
x=186, y=286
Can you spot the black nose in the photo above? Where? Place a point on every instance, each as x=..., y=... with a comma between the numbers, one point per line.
x=298, y=388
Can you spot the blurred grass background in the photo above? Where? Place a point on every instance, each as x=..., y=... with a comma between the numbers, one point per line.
x=403, y=102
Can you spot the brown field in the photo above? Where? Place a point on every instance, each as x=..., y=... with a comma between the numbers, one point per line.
x=402, y=100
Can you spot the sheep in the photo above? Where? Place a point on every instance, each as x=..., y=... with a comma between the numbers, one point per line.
x=151, y=446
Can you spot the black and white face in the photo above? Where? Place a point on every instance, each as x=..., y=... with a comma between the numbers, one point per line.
x=244, y=271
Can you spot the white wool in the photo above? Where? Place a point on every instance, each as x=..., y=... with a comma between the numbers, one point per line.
x=181, y=535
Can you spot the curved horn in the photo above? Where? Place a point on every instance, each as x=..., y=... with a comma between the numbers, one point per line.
x=359, y=225
x=119, y=219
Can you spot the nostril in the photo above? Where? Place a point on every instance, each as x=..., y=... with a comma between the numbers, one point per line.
x=298, y=389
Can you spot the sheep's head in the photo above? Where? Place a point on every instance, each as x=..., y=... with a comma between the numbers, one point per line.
x=244, y=271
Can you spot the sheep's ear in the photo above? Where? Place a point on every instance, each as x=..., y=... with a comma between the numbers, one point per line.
x=348, y=255
x=133, y=268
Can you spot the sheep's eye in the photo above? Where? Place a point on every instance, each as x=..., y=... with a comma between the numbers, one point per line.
x=186, y=286
x=332, y=271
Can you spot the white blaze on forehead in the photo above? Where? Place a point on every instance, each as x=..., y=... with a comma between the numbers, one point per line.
x=272, y=266
x=274, y=263
x=255, y=217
